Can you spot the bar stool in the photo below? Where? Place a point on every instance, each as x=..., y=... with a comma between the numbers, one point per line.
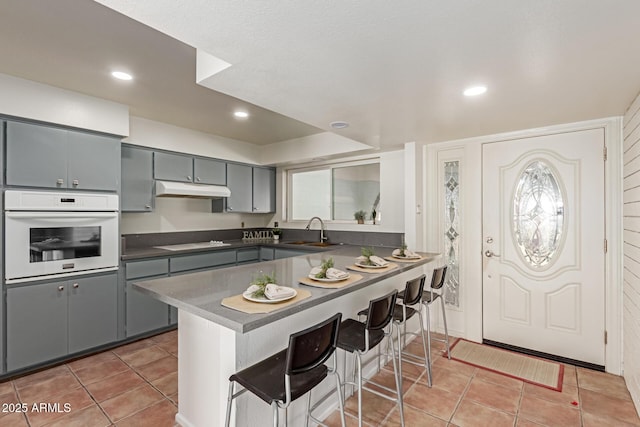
x=292, y=372
x=358, y=338
x=428, y=298
x=412, y=296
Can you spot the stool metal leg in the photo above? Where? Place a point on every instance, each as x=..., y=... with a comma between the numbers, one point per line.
x=358, y=362
x=229, y=401
x=396, y=372
x=428, y=322
x=427, y=355
x=446, y=331
x=274, y=407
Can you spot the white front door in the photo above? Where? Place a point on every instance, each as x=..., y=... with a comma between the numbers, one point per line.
x=543, y=244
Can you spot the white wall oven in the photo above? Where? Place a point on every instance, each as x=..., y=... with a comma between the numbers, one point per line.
x=49, y=234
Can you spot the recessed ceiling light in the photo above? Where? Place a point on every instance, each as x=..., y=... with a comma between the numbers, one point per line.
x=339, y=125
x=121, y=75
x=475, y=90
x=241, y=114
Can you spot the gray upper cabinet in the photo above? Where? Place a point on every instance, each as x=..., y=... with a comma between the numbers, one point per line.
x=41, y=156
x=93, y=162
x=208, y=171
x=172, y=167
x=36, y=156
x=264, y=190
x=239, y=181
x=137, y=180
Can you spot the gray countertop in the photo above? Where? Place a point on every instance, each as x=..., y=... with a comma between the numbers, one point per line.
x=153, y=252
x=201, y=293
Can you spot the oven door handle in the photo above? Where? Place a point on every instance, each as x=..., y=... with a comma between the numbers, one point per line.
x=56, y=215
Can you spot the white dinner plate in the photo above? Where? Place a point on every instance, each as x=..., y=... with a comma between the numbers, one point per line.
x=370, y=266
x=407, y=257
x=311, y=276
x=247, y=295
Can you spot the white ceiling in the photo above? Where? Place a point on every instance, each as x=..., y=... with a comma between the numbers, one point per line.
x=394, y=70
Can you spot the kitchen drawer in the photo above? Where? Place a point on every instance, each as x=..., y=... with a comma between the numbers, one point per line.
x=266, y=254
x=151, y=267
x=248, y=255
x=209, y=259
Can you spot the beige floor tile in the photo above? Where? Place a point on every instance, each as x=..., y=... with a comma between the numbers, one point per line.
x=40, y=376
x=453, y=365
x=449, y=380
x=413, y=417
x=548, y=413
x=168, y=385
x=601, y=382
x=130, y=402
x=493, y=395
x=48, y=390
x=99, y=371
x=133, y=347
x=334, y=420
x=434, y=401
x=609, y=407
x=161, y=414
x=114, y=385
x=6, y=387
x=158, y=368
x=76, y=400
x=472, y=414
x=374, y=408
x=568, y=396
x=14, y=419
x=90, y=361
x=91, y=416
x=144, y=356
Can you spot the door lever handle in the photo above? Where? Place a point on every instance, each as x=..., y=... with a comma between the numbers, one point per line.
x=489, y=254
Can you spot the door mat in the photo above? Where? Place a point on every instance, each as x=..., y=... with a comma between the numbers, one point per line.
x=530, y=369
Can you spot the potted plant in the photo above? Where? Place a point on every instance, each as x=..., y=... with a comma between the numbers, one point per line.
x=276, y=232
x=360, y=216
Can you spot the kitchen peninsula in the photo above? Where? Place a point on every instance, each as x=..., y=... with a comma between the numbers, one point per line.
x=215, y=341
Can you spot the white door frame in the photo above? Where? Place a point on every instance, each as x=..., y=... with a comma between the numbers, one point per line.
x=467, y=321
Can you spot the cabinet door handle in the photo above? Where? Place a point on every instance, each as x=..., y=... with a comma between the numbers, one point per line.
x=189, y=177
x=76, y=286
x=75, y=182
x=197, y=178
x=60, y=181
x=147, y=206
x=229, y=208
x=60, y=288
x=255, y=209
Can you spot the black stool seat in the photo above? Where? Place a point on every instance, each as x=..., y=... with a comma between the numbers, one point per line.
x=265, y=379
x=351, y=336
x=398, y=316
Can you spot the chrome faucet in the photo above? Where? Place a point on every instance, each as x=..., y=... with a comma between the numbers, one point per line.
x=322, y=236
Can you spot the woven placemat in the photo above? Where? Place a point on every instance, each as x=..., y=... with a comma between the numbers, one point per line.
x=353, y=278
x=390, y=266
x=237, y=302
x=390, y=258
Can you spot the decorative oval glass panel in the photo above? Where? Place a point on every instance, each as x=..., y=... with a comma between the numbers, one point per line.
x=538, y=214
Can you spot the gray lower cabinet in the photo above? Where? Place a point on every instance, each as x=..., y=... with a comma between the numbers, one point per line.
x=264, y=190
x=41, y=156
x=137, y=180
x=266, y=254
x=248, y=255
x=92, y=312
x=142, y=312
x=240, y=182
x=50, y=320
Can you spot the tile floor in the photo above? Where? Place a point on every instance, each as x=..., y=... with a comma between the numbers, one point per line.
x=463, y=396
x=137, y=385
x=133, y=385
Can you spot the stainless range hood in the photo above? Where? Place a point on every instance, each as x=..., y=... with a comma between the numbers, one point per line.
x=184, y=189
